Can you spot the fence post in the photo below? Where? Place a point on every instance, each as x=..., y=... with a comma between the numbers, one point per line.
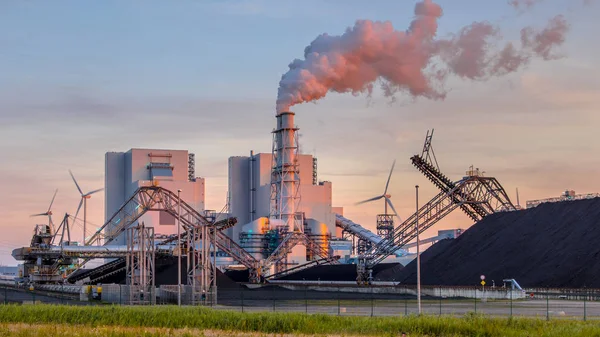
x=475, y=300
x=511, y=302
x=584, y=306
x=338, y=298
x=305, y=299
x=273, y=295
x=440, y=301
x=547, y=305
x=242, y=293
x=5, y=294
x=406, y=306
x=120, y=297
x=371, y=302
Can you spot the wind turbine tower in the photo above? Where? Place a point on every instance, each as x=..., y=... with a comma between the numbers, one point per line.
x=385, y=221
x=48, y=213
x=84, y=198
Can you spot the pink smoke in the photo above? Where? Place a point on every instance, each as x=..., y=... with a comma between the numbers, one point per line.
x=413, y=61
x=542, y=43
x=523, y=4
x=353, y=61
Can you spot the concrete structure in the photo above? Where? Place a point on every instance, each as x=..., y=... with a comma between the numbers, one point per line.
x=125, y=172
x=250, y=192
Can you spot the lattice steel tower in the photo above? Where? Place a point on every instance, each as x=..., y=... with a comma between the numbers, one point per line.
x=285, y=177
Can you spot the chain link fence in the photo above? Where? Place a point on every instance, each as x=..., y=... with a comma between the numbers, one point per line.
x=544, y=303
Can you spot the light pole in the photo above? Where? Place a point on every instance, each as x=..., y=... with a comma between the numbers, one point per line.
x=178, y=248
x=418, y=251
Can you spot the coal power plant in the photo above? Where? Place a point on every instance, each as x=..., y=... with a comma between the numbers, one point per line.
x=280, y=226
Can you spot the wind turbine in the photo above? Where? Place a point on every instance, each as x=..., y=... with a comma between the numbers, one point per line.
x=84, y=198
x=49, y=213
x=385, y=195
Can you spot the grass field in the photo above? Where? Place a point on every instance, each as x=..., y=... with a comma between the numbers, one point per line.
x=47, y=320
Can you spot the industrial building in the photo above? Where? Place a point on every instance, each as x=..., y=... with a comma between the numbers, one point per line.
x=250, y=202
x=174, y=170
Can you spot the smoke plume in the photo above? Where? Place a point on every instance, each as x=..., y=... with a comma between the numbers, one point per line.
x=542, y=43
x=415, y=61
x=523, y=4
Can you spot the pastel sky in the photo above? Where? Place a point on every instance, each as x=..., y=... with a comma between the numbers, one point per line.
x=78, y=79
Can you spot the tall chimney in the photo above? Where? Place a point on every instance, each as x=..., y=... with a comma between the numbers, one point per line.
x=285, y=179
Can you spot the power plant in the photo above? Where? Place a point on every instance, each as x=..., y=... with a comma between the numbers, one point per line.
x=279, y=220
x=279, y=226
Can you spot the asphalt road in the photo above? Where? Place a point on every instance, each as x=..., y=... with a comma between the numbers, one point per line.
x=553, y=309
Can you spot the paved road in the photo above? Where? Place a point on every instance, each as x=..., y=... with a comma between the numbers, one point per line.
x=525, y=308
x=378, y=306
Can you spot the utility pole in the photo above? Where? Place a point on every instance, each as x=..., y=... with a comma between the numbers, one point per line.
x=418, y=253
x=179, y=247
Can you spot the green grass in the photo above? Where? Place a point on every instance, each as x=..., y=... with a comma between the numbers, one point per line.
x=171, y=317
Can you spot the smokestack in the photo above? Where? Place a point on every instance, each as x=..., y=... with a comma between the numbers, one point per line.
x=285, y=176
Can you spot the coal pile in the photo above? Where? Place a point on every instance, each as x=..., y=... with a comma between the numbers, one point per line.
x=552, y=245
x=344, y=272
x=165, y=273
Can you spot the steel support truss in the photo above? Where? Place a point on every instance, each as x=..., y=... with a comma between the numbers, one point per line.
x=202, y=272
x=140, y=261
x=475, y=208
x=385, y=225
x=291, y=240
x=155, y=198
x=483, y=194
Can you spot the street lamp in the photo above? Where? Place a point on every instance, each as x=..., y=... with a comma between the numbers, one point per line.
x=418, y=253
x=178, y=248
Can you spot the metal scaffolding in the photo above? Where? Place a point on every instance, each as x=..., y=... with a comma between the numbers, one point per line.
x=285, y=175
x=385, y=225
x=202, y=272
x=474, y=194
x=290, y=240
x=140, y=261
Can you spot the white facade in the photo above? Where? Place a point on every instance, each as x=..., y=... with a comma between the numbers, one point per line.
x=126, y=171
x=250, y=193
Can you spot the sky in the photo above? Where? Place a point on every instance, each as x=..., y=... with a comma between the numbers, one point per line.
x=79, y=79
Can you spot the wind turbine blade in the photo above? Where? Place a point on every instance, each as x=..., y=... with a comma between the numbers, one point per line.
x=389, y=202
x=76, y=184
x=94, y=191
x=41, y=214
x=52, y=202
x=78, y=208
x=369, y=200
x=389, y=177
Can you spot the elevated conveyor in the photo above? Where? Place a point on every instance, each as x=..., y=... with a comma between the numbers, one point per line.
x=363, y=233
